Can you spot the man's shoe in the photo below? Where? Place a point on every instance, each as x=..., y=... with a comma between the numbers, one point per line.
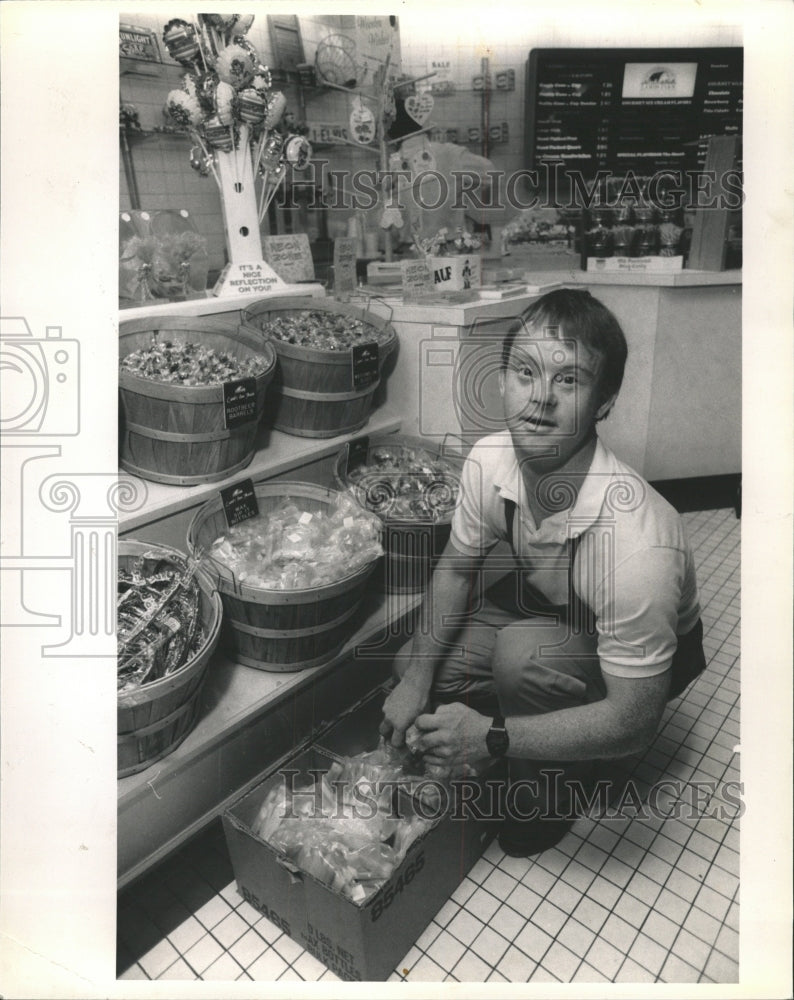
x=523, y=839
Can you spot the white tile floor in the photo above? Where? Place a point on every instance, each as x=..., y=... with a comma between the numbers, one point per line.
x=618, y=900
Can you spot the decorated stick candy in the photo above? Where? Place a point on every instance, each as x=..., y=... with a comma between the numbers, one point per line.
x=218, y=135
x=251, y=106
x=205, y=91
x=180, y=40
x=298, y=152
x=242, y=25
x=183, y=108
x=270, y=157
x=224, y=102
x=276, y=105
x=236, y=65
x=262, y=80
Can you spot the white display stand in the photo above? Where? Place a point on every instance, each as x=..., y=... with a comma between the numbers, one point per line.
x=247, y=270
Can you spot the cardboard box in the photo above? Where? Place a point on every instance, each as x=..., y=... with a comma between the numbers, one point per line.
x=358, y=942
x=454, y=274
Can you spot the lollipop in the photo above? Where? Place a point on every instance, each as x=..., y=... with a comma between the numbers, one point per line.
x=183, y=108
x=219, y=135
x=298, y=152
x=224, y=102
x=236, y=65
x=198, y=161
x=251, y=106
x=270, y=157
x=205, y=91
x=180, y=40
x=242, y=24
x=276, y=104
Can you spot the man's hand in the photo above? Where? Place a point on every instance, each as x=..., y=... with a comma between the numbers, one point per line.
x=453, y=736
x=401, y=708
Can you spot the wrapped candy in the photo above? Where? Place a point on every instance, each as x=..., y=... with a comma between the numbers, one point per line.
x=290, y=548
x=343, y=830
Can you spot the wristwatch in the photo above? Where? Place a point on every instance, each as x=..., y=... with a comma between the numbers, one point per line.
x=497, y=739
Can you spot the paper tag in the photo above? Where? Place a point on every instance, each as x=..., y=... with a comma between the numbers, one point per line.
x=357, y=452
x=362, y=123
x=366, y=364
x=419, y=107
x=305, y=518
x=295, y=538
x=344, y=266
x=415, y=276
x=239, y=402
x=290, y=256
x=348, y=522
x=239, y=502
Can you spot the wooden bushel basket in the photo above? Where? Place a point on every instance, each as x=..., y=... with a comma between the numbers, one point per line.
x=412, y=546
x=313, y=394
x=281, y=630
x=154, y=719
x=176, y=434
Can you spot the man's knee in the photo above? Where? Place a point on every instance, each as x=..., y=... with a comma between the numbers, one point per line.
x=539, y=666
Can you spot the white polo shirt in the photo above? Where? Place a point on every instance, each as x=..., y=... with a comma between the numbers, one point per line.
x=633, y=567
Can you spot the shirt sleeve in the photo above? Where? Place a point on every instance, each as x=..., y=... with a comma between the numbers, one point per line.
x=473, y=531
x=637, y=607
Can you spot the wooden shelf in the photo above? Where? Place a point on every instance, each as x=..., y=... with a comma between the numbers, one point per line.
x=249, y=720
x=276, y=453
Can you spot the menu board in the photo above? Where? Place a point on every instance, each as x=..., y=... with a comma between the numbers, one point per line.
x=639, y=110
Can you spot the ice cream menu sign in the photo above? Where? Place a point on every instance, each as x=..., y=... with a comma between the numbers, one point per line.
x=643, y=110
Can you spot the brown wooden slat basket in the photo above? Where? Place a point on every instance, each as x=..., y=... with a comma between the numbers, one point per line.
x=412, y=546
x=154, y=719
x=313, y=394
x=281, y=630
x=175, y=434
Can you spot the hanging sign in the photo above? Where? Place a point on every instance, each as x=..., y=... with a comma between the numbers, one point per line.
x=419, y=107
x=138, y=43
x=362, y=123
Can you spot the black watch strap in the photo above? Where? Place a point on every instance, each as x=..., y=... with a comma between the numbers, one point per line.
x=497, y=739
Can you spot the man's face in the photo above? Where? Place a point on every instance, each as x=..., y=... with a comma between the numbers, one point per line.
x=550, y=392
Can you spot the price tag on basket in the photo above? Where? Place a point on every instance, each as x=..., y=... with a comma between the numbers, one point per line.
x=366, y=364
x=239, y=502
x=239, y=402
x=357, y=452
